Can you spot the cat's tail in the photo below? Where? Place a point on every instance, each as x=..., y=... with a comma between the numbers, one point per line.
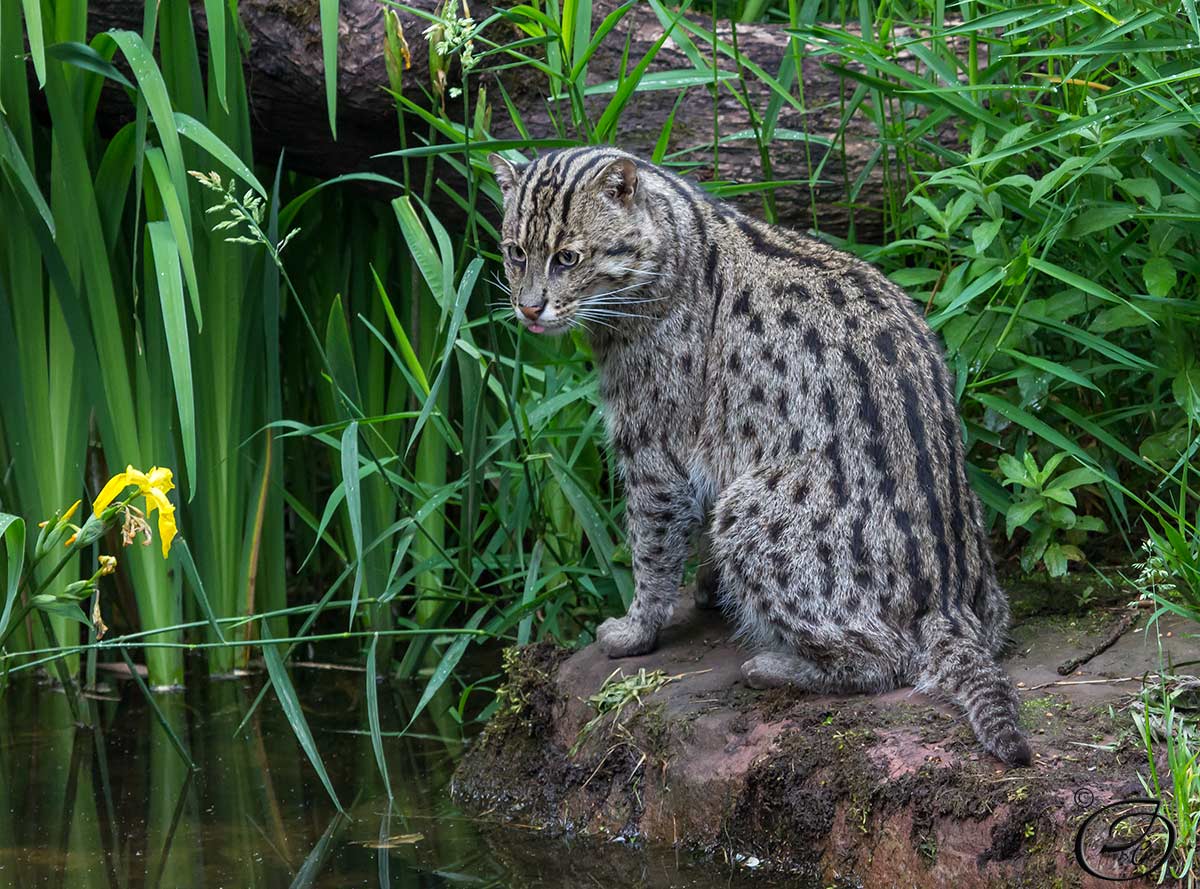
x=965, y=671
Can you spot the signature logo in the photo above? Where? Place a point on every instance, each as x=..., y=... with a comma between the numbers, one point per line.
x=1123, y=840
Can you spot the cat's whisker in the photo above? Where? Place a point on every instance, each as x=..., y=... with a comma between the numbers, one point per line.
x=621, y=301
x=612, y=313
x=632, y=286
x=590, y=317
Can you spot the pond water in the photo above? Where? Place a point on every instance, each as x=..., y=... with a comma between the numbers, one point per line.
x=116, y=807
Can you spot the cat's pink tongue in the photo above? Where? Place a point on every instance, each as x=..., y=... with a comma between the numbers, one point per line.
x=536, y=328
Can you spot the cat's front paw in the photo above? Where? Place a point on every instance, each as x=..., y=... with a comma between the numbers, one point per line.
x=623, y=637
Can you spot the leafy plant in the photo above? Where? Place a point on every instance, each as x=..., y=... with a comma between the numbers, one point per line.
x=1045, y=505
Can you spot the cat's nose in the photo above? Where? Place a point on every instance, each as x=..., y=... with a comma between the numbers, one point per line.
x=532, y=312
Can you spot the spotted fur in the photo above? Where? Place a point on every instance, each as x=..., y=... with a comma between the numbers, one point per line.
x=792, y=400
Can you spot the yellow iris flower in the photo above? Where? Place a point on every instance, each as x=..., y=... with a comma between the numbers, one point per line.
x=154, y=485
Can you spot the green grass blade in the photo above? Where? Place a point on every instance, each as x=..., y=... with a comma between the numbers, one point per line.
x=193, y=578
x=419, y=244
x=606, y=125
x=154, y=90
x=373, y=717
x=286, y=693
x=350, y=482
x=14, y=159
x=158, y=714
x=214, y=12
x=170, y=294
x=465, y=287
x=196, y=132
x=317, y=858
x=329, y=49
x=447, y=664
x=87, y=59
x=1052, y=367
x=179, y=227
x=37, y=39
x=12, y=561
x=527, y=596
x=411, y=361
x=1041, y=429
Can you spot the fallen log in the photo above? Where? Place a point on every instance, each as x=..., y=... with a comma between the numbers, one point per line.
x=285, y=77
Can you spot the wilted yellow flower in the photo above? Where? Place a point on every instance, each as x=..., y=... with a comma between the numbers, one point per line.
x=154, y=485
x=108, y=565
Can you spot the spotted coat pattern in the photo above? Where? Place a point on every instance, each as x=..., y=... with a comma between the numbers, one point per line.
x=790, y=401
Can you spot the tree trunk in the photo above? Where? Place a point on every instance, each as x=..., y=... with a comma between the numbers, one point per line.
x=287, y=99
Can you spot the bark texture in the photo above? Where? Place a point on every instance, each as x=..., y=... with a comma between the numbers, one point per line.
x=286, y=82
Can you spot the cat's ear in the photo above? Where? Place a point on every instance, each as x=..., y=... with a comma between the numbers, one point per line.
x=507, y=176
x=619, y=180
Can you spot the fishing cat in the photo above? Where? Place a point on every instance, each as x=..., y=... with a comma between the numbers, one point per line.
x=792, y=400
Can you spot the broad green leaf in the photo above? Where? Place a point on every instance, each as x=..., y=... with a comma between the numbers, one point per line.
x=1013, y=469
x=1186, y=390
x=1084, y=475
x=1021, y=512
x=411, y=361
x=67, y=608
x=984, y=233
x=1052, y=464
x=1147, y=189
x=1160, y=276
x=1116, y=318
x=1055, y=560
x=1074, y=280
x=1060, y=495
x=1097, y=219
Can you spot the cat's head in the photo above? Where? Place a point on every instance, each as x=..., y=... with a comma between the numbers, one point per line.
x=578, y=240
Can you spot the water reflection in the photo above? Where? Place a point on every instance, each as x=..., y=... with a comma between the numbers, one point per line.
x=118, y=808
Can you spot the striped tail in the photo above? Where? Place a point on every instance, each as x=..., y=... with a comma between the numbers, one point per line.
x=963, y=670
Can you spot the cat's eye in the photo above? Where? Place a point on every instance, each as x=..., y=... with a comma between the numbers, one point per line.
x=566, y=258
x=514, y=253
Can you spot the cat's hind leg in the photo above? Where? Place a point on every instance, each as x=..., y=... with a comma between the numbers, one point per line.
x=799, y=576
x=858, y=674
